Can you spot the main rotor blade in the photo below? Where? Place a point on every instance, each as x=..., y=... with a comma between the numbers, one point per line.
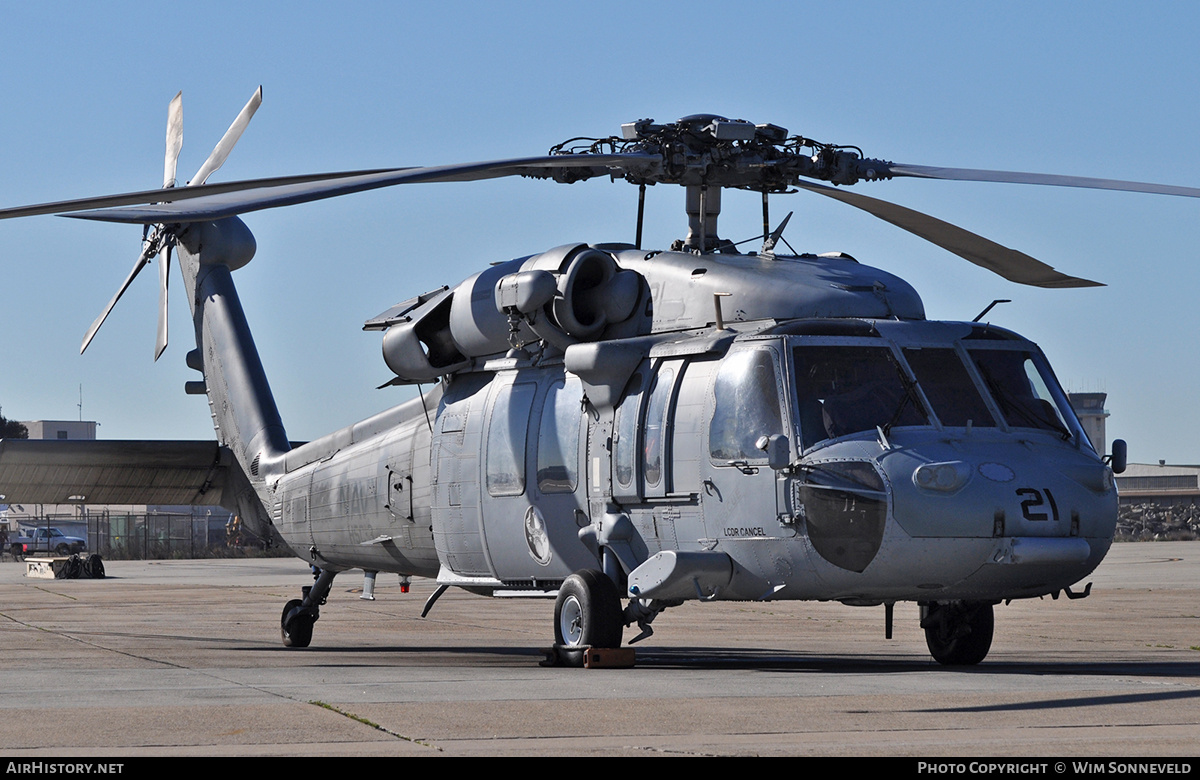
x=267, y=197
x=143, y=258
x=176, y=193
x=164, y=273
x=174, y=139
x=221, y=151
x=1017, y=177
x=1009, y=263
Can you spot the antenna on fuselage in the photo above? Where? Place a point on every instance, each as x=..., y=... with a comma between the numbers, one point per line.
x=989, y=308
x=768, y=247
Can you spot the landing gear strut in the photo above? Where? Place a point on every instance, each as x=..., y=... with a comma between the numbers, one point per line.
x=586, y=614
x=958, y=633
x=296, y=623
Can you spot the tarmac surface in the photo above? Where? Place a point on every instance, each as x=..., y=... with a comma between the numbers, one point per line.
x=176, y=658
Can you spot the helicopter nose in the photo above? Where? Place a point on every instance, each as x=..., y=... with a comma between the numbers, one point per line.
x=1004, y=492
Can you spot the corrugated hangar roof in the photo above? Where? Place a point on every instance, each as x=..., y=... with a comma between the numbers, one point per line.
x=113, y=472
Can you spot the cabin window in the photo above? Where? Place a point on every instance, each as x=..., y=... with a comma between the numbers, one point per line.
x=625, y=447
x=655, y=426
x=558, y=439
x=506, y=440
x=1020, y=390
x=746, y=406
x=849, y=389
x=948, y=387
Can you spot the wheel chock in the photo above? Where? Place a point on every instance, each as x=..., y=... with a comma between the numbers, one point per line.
x=589, y=657
x=609, y=657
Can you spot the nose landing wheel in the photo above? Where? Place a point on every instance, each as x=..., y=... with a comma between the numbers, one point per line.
x=958, y=633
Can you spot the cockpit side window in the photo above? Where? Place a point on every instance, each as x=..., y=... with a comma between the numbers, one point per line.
x=746, y=406
x=948, y=387
x=1020, y=390
x=849, y=389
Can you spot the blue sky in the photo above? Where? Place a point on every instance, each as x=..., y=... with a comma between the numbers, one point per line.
x=1098, y=89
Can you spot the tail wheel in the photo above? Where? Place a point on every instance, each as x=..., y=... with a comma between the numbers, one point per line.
x=296, y=625
x=587, y=612
x=958, y=634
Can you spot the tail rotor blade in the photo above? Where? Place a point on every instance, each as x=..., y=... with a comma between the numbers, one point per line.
x=143, y=258
x=164, y=273
x=227, y=142
x=160, y=242
x=174, y=139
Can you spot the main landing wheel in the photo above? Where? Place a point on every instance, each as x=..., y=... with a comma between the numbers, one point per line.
x=959, y=633
x=296, y=624
x=587, y=614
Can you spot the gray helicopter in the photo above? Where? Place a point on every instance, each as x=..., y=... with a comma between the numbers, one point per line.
x=627, y=429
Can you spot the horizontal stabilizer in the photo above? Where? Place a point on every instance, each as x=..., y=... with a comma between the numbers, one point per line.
x=114, y=472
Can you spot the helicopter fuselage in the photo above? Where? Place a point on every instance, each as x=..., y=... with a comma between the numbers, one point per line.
x=848, y=449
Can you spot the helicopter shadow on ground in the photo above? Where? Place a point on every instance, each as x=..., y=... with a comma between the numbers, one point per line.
x=767, y=660
x=775, y=660
x=1073, y=702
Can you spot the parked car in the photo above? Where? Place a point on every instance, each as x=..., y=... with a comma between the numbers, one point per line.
x=46, y=540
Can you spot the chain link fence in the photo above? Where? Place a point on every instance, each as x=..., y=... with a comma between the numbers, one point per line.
x=115, y=535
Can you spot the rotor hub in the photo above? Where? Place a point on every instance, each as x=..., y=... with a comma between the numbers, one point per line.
x=708, y=149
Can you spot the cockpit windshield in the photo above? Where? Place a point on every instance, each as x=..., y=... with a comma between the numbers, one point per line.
x=1020, y=390
x=954, y=397
x=844, y=390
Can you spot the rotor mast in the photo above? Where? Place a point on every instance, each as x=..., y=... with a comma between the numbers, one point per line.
x=703, y=209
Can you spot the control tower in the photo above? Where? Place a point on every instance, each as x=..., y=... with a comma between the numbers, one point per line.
x=1089, y=408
